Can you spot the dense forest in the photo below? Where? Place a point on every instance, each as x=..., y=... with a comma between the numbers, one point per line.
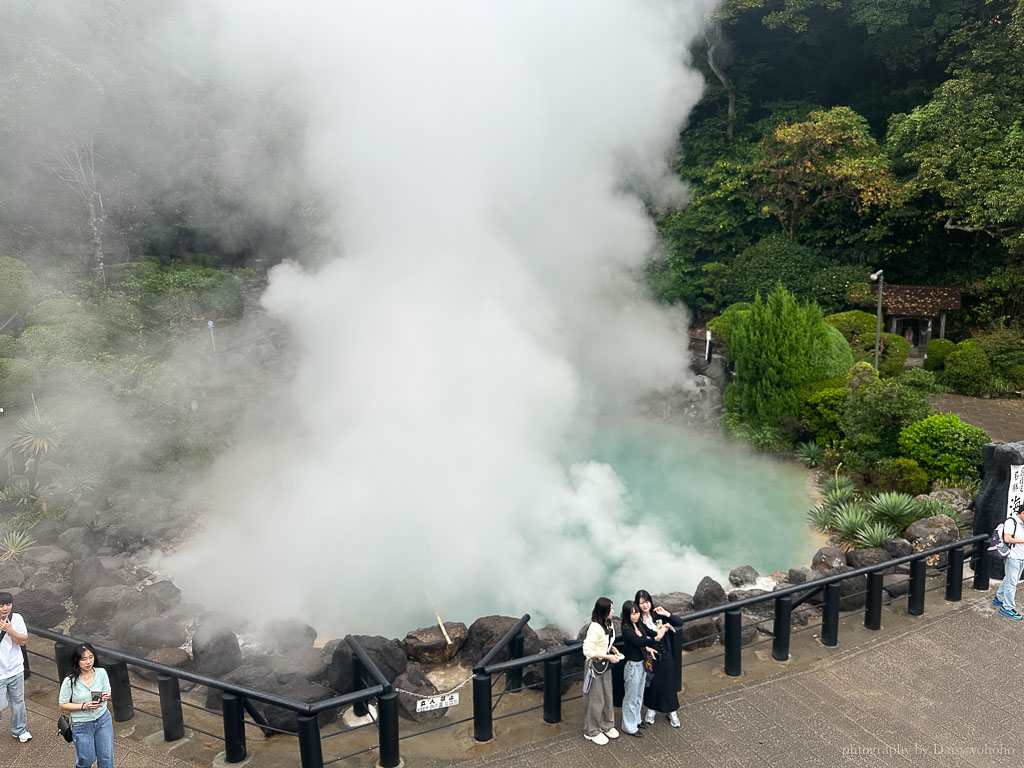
x=834, y=138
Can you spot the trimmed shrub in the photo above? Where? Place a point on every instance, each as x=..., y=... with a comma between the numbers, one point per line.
x=54, y=312
x=923, y=381
x=856, y=326
x=936, y=352
x=944, y=445
x=967, y=369
x=835, y=357
x=901, y=474
x=820, y=411
x=17, y=286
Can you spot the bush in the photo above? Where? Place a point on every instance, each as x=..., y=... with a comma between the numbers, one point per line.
x=892, y=354
x=875, y=414
x=8, y=346
x=943, y=445
x=54, y=312
x=17, y=381
x=901, y=474
x=831, y=285
x=774, y=259
x=820, y=411
x=936, y=352
x=857, y=327
x=835, y=357
x=1005, y=350
x=967, y=369
x=17, y=286
x=925, y=382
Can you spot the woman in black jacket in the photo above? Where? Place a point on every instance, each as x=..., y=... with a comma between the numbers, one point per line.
x=639, y=644
x=661, y=695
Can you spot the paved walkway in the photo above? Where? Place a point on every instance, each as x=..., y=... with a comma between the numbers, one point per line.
x=1002, y=419
x=942, y=692
x=939, y=690
x=48, y=750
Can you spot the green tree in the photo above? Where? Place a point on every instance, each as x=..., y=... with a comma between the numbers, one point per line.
x=778, y=345
x=831, y=157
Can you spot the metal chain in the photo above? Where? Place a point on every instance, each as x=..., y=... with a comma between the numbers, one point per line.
x=430, y=696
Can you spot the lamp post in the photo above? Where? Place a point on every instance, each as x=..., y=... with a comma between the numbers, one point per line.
x=877, y=277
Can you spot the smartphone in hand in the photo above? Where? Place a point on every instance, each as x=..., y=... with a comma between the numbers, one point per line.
x=97, y=695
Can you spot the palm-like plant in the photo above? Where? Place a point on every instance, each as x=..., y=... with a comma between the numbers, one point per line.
x=21, y=492
x=821, y=517
x=897, y=510
x=873, y=534
x=840, y=484
x=15, y=543
x=38, y=433
x=80, y=480
x=850, y=519
x=810, y=453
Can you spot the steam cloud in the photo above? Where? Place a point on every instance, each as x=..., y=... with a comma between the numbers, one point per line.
x=480, y=320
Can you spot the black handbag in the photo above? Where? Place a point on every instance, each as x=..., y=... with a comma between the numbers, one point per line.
x=64, y=728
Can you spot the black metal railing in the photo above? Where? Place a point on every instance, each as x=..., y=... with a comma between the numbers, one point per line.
x=236, y=700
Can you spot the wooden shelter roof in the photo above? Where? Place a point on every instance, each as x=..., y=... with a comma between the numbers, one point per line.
x=918, y=300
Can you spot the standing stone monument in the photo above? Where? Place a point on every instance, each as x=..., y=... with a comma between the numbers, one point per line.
x=1002, y=489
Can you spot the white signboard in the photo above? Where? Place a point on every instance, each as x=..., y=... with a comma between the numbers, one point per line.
x=1015, y=493
x=438, y=702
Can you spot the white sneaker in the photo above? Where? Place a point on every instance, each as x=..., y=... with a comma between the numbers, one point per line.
x=600, y=739
x=611, y=733
x=650, y=717
x=673, y=719
x=26, y=736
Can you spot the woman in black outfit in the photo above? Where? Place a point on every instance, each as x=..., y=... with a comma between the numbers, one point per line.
x=661, y=695
x=639, y=643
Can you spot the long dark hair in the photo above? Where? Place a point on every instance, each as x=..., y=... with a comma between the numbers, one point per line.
x=627, y=617
x=76, y=657
x=602, y=612
x=643, y=594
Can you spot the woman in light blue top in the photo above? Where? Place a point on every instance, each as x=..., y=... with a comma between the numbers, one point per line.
x=83, y=696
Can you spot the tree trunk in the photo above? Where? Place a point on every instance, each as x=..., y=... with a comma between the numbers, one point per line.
x=730, y=88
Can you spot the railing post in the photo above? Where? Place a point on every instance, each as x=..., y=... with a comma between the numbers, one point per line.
x=781, y=628
x=360, y=708
x=733, y=643
x=483, y=724
x=387, y=703
x=310, y=752
x=830, y=615
x=62, y=655
x=552, y=690
x=514, y=677
x=873, y=603
x=915, y=599
x=170, y=707
x=234, y=727
x=982, y=566
x=120, y=691
x=955, y=575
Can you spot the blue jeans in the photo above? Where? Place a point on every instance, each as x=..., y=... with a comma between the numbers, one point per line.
x=13, y=688
x=634, y=677
x=1007, y=593
x=94, y=741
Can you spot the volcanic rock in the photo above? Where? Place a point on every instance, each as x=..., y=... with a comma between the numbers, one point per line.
x=429, y=646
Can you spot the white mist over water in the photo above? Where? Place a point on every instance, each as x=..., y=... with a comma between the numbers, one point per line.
x=481, y=316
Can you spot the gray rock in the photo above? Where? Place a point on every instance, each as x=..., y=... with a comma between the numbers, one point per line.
x=745, y=574
x=74, y=536
x=708, y=594
x=89, y=574
x=896, y=584
x=100, y=604
x=801, y=575
x=308, y=663
x=484, y=634
x=762, y=610
x=284, y=635
x=897, y=548
x=156, y=632
x=164, y=594
x=699, y=633
x=676, y=603
x=414, y=680
x=11, y=575
x=428, y=645
x=40, y=607
x=386, y=654
x=46, y=531
x=863, y=558
x=828, y=558
x=169, y=657
x=61, y=589
x=81, y=514
x=933, y=532
x=552, y=638
x=215, y=649
x=48, y=556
